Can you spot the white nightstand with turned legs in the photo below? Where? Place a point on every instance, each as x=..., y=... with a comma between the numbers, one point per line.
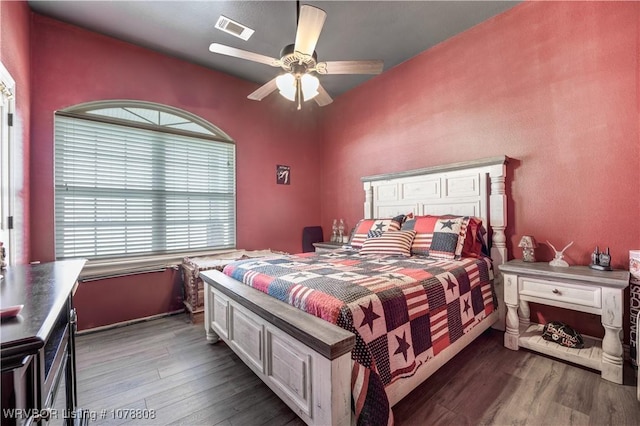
x=578, y=288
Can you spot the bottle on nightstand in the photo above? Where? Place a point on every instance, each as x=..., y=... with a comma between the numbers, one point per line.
x=334, y=231
x=595, y=256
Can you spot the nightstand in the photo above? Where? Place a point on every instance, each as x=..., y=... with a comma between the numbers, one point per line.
x=327, y=246
x=578, y=288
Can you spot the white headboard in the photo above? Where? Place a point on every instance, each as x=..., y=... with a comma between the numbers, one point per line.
x=471, y=188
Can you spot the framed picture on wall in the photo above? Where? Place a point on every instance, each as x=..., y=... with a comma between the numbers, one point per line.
x=283, y=175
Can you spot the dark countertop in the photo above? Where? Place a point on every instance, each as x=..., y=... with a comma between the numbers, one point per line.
x=43, y=289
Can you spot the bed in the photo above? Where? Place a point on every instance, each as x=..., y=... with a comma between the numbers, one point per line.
x=279, y=314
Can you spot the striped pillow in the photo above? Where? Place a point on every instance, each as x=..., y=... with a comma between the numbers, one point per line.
x=394, y=243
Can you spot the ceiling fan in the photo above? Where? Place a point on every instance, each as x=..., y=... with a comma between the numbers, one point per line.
x=300, y=62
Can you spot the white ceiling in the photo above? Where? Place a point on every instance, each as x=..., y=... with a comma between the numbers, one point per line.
x=393, y=31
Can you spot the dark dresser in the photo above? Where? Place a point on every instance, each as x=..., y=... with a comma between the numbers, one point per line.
x=37, y=346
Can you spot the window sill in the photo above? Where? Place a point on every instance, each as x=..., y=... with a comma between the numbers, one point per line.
x=110, y=268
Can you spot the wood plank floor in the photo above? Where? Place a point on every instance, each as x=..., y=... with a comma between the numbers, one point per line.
x=167, y=366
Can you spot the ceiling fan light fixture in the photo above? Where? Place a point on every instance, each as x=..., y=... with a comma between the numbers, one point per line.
x=286, y=84
x=290, y=95
x=310, y=84
x=298, y=60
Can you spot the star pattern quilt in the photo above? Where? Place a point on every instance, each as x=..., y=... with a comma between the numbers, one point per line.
x=403, y=311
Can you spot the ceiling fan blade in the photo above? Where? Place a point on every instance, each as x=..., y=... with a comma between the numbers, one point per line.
x=243, y=54
x=263, y=91
x=350, y=67
x=322, y=98
x=309, y=28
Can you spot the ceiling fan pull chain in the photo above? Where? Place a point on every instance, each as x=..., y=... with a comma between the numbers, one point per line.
x=298, y=93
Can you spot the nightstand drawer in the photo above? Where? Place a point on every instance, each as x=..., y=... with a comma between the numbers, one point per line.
x=532, y=289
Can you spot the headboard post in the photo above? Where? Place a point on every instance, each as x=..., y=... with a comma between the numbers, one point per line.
x=498, y=218
x=368, y=200
x=498, y=223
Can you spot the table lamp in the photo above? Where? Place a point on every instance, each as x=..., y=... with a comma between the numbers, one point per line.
x=528, y=244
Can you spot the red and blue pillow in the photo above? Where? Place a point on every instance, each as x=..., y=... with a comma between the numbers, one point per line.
x=372, y=228
x=441, y=237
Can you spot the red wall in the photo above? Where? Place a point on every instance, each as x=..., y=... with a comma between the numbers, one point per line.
x=552, y=85
x=14, y=54
x=117, y=300
x=72, y=66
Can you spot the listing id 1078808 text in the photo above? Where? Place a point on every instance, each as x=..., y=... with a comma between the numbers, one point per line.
x=53, y=414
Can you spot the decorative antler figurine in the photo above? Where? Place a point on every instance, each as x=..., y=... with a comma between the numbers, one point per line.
x=557, y=261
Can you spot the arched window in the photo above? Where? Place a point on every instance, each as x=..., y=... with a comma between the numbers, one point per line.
x=138, y=178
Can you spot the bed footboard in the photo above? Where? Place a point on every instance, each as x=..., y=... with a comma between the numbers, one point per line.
x=305, y=360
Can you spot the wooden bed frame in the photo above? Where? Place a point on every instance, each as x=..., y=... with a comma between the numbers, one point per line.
x=305, y=360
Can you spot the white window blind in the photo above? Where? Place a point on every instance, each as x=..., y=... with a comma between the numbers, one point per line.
x=123, y=190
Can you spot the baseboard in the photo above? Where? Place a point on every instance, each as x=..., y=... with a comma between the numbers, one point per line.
x=129, y=322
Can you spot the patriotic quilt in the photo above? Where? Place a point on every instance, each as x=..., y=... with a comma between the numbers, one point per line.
x=403, y=311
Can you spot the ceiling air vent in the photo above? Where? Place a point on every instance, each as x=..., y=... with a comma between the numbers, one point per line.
x=234, y=28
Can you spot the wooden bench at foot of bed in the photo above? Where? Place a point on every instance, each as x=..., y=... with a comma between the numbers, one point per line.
x=193, y=288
